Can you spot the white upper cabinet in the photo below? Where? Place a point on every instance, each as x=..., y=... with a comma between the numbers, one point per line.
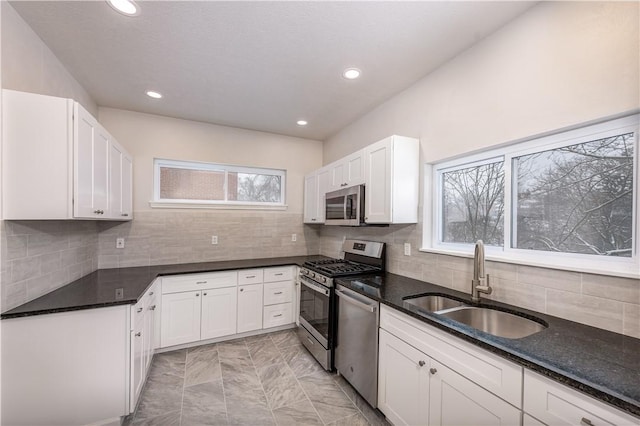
x=316, y=186
x=348, y=171
x=59, y=162
x=391, y=181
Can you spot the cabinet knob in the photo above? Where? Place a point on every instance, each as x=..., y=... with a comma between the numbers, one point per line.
x=433, y=371
x=242, y=289
x=197, y=294
x=139, y=333
x=204, y=294
x=585, y=421
x=152, y=308
x=139, y=310
x=150, y=293
x=313, y=220
x=421, y=363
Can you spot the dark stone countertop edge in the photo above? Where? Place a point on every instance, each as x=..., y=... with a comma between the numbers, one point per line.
x=148, y=275
x=491, y=344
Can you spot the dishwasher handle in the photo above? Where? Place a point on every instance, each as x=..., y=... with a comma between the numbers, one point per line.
x=359, y=304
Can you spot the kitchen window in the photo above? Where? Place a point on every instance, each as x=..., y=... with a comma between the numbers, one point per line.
x=198, y=184
x=568, y=201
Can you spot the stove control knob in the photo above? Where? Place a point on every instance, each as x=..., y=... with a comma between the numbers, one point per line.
x=313, y=275
x=324, y=280
x=304, y=272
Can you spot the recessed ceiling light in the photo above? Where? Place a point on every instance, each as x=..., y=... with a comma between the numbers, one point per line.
x=351, y=73
x=154, y=95
x=126, y=7
x=302, y=122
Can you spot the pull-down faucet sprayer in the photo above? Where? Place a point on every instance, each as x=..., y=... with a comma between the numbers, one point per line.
x=480, y=282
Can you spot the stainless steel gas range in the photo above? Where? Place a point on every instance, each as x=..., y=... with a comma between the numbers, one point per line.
x=317, y=294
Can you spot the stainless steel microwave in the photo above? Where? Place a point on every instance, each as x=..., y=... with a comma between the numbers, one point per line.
x=345, y=207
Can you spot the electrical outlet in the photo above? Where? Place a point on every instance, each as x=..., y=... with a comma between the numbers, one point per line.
x=214, y=239
x=407, y=249
x=294, y=237
x=119, y=242
x=119, y=293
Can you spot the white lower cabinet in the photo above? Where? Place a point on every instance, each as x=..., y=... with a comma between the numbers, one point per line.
x=416, y=387
x=250, y=307
x=180, y=318
x=555, y=404
x=218, y=314
x=143, y=317
x=403, y=384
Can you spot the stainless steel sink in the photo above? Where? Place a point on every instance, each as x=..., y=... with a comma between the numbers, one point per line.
x=434, y=303
x=492, y=321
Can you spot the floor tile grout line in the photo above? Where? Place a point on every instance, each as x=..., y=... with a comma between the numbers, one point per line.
x=352, y=401
x=224, y=394
x=255, y=368
x=184, y=383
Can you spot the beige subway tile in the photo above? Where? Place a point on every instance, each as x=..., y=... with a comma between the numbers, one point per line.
x=13, y=295
x=550, y=278
x=616, y=288
x=16, y=247
x=46, y=243
x=20, y=227
x=50, y=262
x=594, y=311
x=140, y=259
x=527, y=296
x=408, y=269
x=462, y=281
x=631, y=320
x=438, y=276
x=25, y=268
x=505, y=271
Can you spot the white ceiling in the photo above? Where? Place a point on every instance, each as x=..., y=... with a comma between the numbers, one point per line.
x=259, y=65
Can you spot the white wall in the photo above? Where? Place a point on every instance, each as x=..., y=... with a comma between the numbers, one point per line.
x=148, y=136
x=557, y=65
x=29, y=65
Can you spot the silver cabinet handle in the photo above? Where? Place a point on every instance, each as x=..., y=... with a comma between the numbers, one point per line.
x=139, y=310
x=433, y=371
x=201, y=282
x=421, y=363
x=279, y=274
x=276, y=316
x=125, y=214
x=251, y=276
x=585, y=421
x=139, y=333
x=279, y=292
x=313, y=220
x=152, y=308
x=98, y=211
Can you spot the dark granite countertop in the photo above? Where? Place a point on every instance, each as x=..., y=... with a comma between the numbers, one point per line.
x=98, y=289
x=597, y=362
x=600, y=363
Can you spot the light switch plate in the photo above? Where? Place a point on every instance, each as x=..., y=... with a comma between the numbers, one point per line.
x=407, y=249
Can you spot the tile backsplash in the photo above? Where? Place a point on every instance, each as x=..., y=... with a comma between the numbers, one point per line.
x=40, y=256
x=601, y=301
x=166, y=237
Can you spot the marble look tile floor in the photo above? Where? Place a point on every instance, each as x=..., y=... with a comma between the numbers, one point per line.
x=270, y=379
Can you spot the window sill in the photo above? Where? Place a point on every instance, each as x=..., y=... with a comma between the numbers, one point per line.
x=624, y=270
x=214, y=206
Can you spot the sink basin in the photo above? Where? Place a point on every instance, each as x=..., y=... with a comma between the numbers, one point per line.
x=434, y=303
x=492, y=321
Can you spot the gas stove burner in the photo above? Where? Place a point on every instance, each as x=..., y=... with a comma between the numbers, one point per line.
x=337, y=267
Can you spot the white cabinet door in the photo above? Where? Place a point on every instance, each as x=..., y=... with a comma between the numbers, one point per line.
x=219, y=307
x=311, y=198
x=347, y=171
x=180, y=318
x=324, y=185
x=91, y=146
x=137, y=364
x=250, y=307
x=149, y=331
x=378, y=189
x=449, y=392
x=403, y=382
x=120, y=168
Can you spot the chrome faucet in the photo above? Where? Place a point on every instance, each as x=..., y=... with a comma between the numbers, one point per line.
x=480, y=282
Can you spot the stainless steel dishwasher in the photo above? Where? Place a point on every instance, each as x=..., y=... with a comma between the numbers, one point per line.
x=356, y=351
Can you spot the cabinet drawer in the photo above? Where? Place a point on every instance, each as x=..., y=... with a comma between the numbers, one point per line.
x=279, y=292
x=556, y=404
x=250, y=276
x=275, y=315
x=278, y=274
x=490, y=371
x=191, y=282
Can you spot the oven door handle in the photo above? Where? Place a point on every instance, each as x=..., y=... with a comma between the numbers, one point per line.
x=314, y=287
x=344, y=296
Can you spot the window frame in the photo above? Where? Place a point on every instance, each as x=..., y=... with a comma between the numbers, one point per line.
x=158, y=202
x=618, y=266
